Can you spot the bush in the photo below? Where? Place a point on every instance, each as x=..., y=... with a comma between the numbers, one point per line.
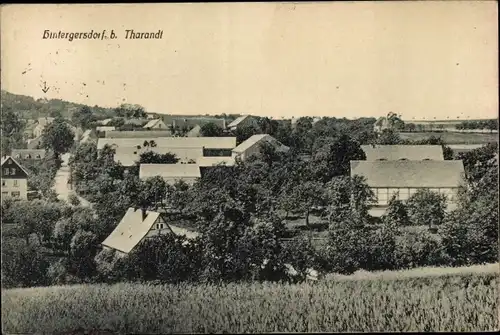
x=23, y=266
x=415, y=249
x=73, y=200
x=426, y=208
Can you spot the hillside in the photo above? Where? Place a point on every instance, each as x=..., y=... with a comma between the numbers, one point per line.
x=28, y=108
x=460, y=300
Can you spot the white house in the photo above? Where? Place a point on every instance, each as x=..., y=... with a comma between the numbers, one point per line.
x=242, y=121
x=138, y=133
x=155, y=124
x=14, y=179
x=253, y=145
x=134, y=227
x=35, y=154
x=171, y=173
x=405, y=178
x=403, y=152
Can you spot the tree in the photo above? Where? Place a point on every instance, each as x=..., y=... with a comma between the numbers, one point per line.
x=211, y=130
x=82, y=117
x=64, y=230
x=426, y=208
x=11, y=129
x=154, y=191
x=83, y=248
x=308, y=195
x=396, y=214
x=131, y=111
x=245, y=132
x=388, y=137
x=23, y=266
x=58, y=137
x=334, y=155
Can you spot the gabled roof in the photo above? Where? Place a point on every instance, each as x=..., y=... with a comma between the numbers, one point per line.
x=131, y=230
x=7, y=158
x=138, y=133
x=214, y=161
x=238, y=120
x=32, y=152
x=169, y=171
x=195, y=132
x=105, y=121
x=409, y=152
x=259, y=139
x=183, y=231
x=105, y=128
x=429, y=174
x=172, y=142
x=34, y=142
x=152, y=123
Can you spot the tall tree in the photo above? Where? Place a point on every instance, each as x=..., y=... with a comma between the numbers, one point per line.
x=82, y=117
x=58, y=137
x=211, y=130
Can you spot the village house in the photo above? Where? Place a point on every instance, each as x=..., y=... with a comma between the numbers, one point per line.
x=34, y=143
x=14, y=179
x=404, y=178
x=171, y=173
x=189, y=122
x=29, y=128
x=137, y=225
x=195, y=132
x=187, y=149
x=253, y=144
x=294, y=120
x=403, y=152
x=155, y=124
x=104, y=122
x=242, y=121
x=138, y=133
x=34, y=154
x=88, y=135
x=42, y=123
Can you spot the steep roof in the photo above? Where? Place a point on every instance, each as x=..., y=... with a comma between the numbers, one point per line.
x=259, y=138
x=7, y=158
x=105, y=128
x=213, y=161
x=152, y=123
x=34, y=142
x=431, y=174
x=195, y=132
x=238, y=120
x=131, y=230
x=175, y=142
x=409, y=152
x=25, y=152
x=169, y=171
x=138, y=133
x=128, y=155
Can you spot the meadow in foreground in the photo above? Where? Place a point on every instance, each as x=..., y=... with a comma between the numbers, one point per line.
x=453, y=301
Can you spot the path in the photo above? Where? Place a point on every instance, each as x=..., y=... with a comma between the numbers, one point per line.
x=61, y=185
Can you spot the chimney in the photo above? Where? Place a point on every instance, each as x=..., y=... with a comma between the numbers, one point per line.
x=143, y=210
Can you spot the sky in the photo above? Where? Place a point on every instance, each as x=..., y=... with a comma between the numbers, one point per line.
x=422, y=60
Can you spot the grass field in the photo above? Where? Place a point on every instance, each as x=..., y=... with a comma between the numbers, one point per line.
x=462, y=299
x=452, y=137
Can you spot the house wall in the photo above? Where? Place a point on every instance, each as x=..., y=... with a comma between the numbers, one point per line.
x=383, y=195
x=252, y=150
x=173, y=180
x=15, y=188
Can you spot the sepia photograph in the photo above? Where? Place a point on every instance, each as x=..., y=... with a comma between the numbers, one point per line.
x=267, y=167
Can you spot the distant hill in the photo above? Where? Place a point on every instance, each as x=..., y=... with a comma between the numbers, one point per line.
x=28, y=108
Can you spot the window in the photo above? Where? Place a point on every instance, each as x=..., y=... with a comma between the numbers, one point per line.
x=38, y=156
x=16, y=194
x=12, y=171
x=404, y=193
x=16, y=183
x=393, y=191
x=382, y=196
x=4, y=194
x=4, y=182
x=6, y=171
